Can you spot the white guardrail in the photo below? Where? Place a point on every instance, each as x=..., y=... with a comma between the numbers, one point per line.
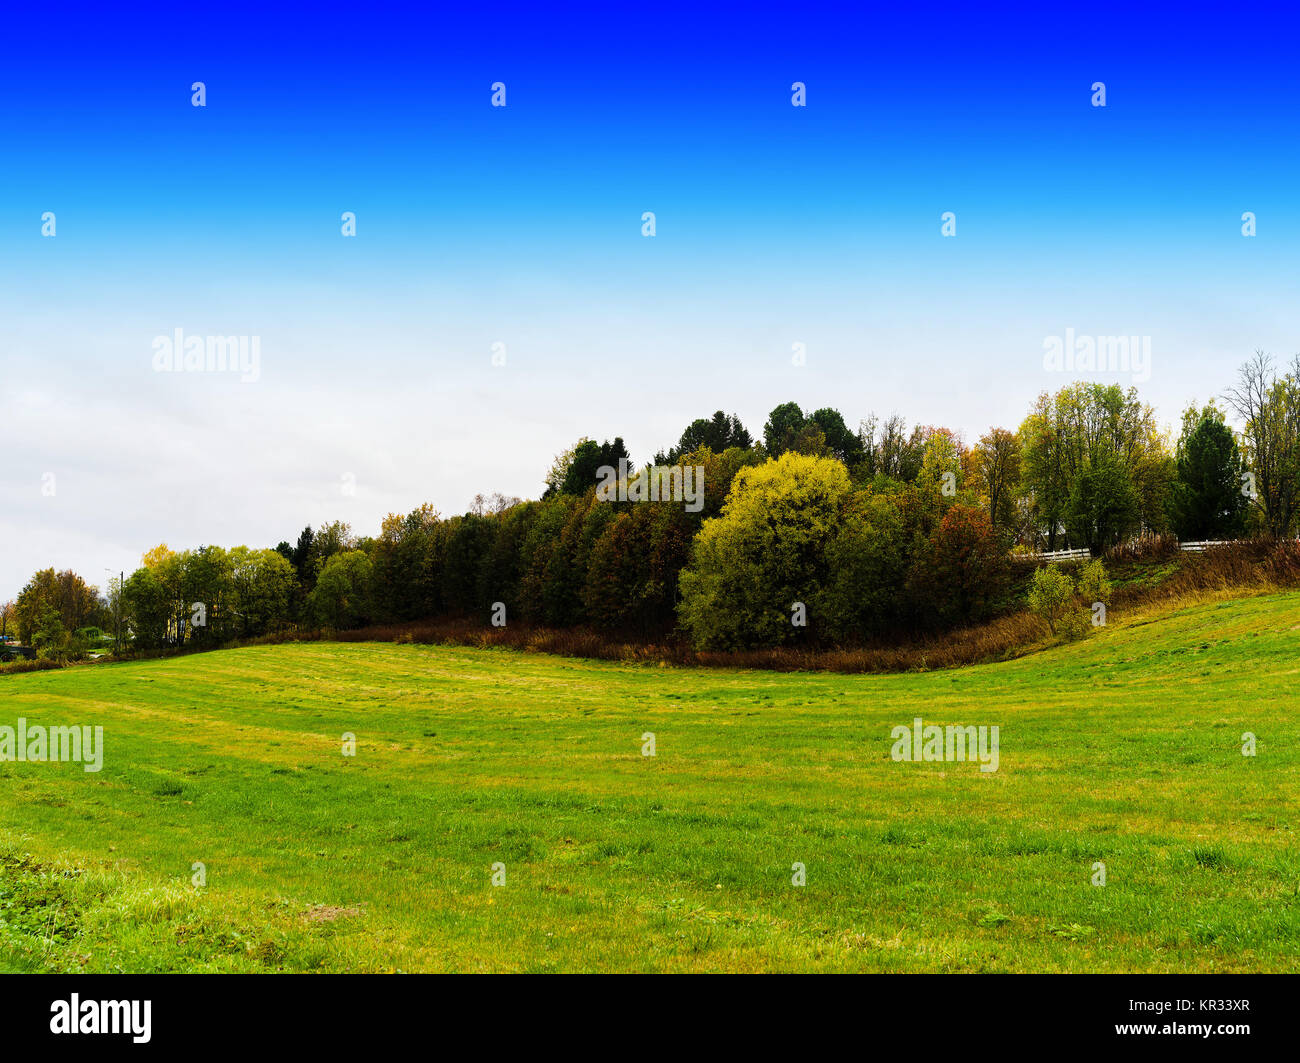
x=1062, y=555
x=1198, y=547
x=1076, y=555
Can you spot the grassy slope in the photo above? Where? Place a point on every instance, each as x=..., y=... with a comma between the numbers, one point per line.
x=1125, y=748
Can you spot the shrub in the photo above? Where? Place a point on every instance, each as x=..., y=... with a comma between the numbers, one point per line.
x=1051, y=594
x=1075, y=623
x=1159, y=547
x=38, y=665
x=1093, y=584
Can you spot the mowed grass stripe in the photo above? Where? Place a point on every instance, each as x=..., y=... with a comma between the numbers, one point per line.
x=1124, y=748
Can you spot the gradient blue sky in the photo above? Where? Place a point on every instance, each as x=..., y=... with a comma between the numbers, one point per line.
x=522, y=225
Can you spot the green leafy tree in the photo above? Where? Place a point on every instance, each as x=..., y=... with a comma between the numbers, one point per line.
x=560, y=468
x=565, y=569
x=867, y=563
x=633, y=569
x=204, y=580
x=469, y=542
x=540, y=542
x=615, y=579
x=328, y=540
x=500, y=571
x=718, y=433
x=1103, y=506
x=588, y=459
x=942, y=461
x=147, y=610
x=1207, y=501
x=783, y=428
x=76, y=603
x=262, y=586
x=408, y=558
x=341, y=597
x=996, y=471
x=50, y=635
x=839, y=441
x=1079, y=428
x=810, y=440
x=302, y=552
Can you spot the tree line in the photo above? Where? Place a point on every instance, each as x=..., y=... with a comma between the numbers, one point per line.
x=812, y=531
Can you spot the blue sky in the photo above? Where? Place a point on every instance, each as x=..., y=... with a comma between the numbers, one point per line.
x=521, y=225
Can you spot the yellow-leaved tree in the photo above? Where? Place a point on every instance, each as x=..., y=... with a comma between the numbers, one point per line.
x=755, y=568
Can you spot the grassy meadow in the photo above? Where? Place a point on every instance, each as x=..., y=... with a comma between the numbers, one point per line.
x=1125, y=748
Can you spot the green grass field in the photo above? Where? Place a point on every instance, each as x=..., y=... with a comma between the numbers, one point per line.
x=1126, y=748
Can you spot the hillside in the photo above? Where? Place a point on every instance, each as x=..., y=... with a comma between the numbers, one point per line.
x=1125, y=748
